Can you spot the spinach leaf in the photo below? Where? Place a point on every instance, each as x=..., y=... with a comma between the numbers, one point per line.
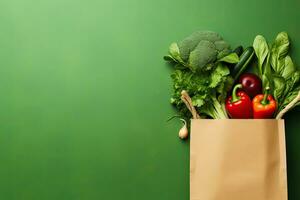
x=278, y=87
x=262, y=51
x=277, y=69
x=288, y=68
x=279, y=51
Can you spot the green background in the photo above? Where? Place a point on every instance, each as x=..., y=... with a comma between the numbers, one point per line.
x=85, y=93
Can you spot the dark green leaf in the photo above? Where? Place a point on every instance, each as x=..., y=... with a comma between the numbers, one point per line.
x=169, y=58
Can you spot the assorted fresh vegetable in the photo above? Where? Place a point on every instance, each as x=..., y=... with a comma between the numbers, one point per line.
x=264, y=105
x=203, y=72
x=251, y=84
x=201, y=51
x=206, y=70
x=239, y=104
x=241, y=66
x=239, y=50
x=183, y=132
x=277, y=70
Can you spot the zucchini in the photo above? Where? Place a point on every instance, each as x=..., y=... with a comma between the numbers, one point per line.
x=238, y=50
x=241, y=66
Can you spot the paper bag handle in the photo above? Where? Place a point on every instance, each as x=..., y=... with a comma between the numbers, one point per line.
x=289, y=106
x=188, y=102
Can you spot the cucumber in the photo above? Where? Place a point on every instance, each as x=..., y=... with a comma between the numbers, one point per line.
x=238, y=50
x=245, y=59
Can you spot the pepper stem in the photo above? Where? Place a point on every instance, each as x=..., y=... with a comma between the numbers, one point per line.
x=235, y=97
x=265, y=99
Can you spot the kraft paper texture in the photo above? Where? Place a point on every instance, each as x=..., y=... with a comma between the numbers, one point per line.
x=238, y=160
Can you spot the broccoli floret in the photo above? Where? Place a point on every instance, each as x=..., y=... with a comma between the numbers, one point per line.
x=200, y=50
x=208, y=52
x=187, y=45
x=221, y=45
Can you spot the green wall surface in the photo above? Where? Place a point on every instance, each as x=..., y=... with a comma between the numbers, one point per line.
x=85, y=93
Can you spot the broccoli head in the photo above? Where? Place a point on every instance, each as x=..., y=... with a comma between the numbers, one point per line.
x=200, y=50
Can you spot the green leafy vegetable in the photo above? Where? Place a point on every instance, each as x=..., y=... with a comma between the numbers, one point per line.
x=208, y=90
x=201, y=69
x=279, y=51
x=290, y=97
x=289, y=67
x=261, y=50
x=279, y=87
x=277, y=69
x=230, y=58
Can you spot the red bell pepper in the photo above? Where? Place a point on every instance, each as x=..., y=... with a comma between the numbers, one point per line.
x=239, y=105
x=264, y=105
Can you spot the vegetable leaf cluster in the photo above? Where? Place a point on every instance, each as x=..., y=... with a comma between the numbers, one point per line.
x=201, y=69
x=277, y=69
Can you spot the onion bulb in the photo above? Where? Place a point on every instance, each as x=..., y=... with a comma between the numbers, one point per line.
x=183, y=132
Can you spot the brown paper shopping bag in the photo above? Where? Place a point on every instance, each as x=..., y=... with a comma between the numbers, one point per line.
x=237, y=160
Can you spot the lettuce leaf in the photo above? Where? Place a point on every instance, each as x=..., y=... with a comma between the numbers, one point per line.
x=208, y=90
